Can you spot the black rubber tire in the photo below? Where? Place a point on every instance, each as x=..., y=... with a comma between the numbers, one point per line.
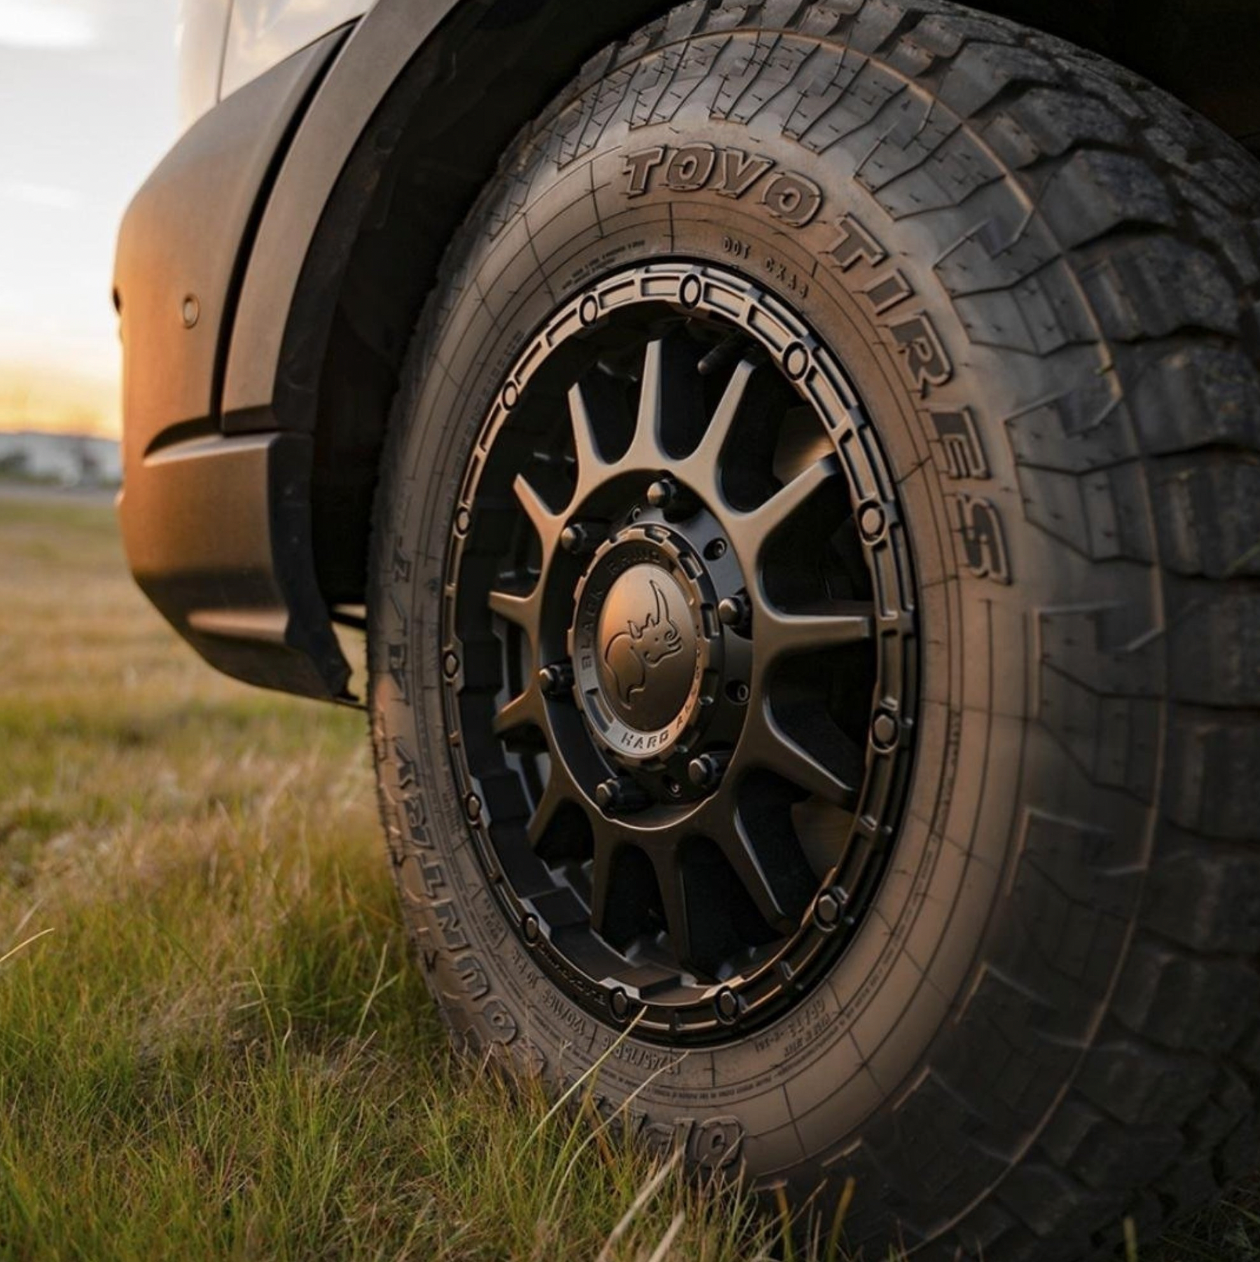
x=1043, y=274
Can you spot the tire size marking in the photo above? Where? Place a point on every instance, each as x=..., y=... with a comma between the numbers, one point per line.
x=787, y=277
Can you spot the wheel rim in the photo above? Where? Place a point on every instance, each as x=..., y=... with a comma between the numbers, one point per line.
x=679, y=653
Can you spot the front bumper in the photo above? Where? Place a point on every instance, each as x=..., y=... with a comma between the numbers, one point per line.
x=217, y=528
x=217, y=531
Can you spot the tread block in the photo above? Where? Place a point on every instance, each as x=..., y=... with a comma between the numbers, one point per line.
x=864, y=95
x=782, y=64
x=955, y=169
x=915, y=132
x=1205, y=898
x=1210, y=784
x=1107, y=648
x=1037, y=315
x=1050, y=1203
x=1207, y=511
x=982, y=70
x=1100, y=514
x=1196, y=395
x=1137, y=1083
x=1154, y=287
x=1113, y=739
x=1214, y=637
x=1095, y=191
x=1182, y=1001
x=1005, y=248
x=1055, y=121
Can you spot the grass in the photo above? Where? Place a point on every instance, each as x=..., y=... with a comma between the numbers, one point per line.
x=211, y=1042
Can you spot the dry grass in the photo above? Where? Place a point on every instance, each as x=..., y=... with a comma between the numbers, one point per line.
x=211, y=1044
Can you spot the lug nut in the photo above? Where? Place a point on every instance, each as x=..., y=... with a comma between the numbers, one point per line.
x=727, y=1004
x=706, y=771
x=556, y=680
x=672, y=500
x=581, y=537
x=619, y=1002
x=734, y=611
x=619, y=796
x=662, y=492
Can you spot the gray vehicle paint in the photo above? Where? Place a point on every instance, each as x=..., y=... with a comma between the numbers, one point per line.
x=225, y=44
x=262, y=33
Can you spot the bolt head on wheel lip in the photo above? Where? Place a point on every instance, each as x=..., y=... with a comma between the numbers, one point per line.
x=639, y=643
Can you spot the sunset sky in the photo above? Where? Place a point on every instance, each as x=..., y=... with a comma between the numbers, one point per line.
x=87, y=106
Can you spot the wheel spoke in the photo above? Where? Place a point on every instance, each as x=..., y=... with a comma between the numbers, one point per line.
x=701, y=468
x=720, y=822
x=601, y=881
x=772, y=748
x=525, y=710
x=558, y=791
x=645, y=447
x=778, y=634
x=669, y=879
x=544, y=521
x=766, y=519
x=585, y=444
x=520, y=611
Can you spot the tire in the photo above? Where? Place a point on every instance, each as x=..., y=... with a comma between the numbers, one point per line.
x=1039, y=276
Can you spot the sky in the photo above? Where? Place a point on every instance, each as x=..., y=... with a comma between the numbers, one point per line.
x=87, y=107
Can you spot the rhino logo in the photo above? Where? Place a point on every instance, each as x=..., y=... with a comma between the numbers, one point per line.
x=631, y=653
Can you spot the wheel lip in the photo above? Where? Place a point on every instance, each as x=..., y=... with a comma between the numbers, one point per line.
x=728, y=295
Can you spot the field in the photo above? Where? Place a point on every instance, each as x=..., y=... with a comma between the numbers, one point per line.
x=211, y=1043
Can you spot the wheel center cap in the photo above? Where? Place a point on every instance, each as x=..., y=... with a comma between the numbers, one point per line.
x=639, y=642
x=646, y=647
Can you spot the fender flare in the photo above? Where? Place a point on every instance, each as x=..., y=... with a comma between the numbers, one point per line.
x=400, y=50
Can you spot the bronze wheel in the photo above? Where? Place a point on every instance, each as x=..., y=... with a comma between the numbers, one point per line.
x=674, y=524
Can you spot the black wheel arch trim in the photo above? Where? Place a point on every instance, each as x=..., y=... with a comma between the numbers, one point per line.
x=217, y=531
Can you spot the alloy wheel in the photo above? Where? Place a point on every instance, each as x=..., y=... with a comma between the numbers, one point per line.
x=680, y=655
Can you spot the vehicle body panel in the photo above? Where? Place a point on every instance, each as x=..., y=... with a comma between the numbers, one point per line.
x=373, y=58
x=262, y=33
x=182, y=240
x=217, y=532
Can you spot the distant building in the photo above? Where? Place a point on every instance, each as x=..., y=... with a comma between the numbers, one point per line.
x=61, y=459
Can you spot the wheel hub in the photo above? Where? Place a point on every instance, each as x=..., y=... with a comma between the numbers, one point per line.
x=645, y=645
x=646, y=659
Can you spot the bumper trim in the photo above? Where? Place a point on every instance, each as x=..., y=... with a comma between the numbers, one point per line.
x=218, y=532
